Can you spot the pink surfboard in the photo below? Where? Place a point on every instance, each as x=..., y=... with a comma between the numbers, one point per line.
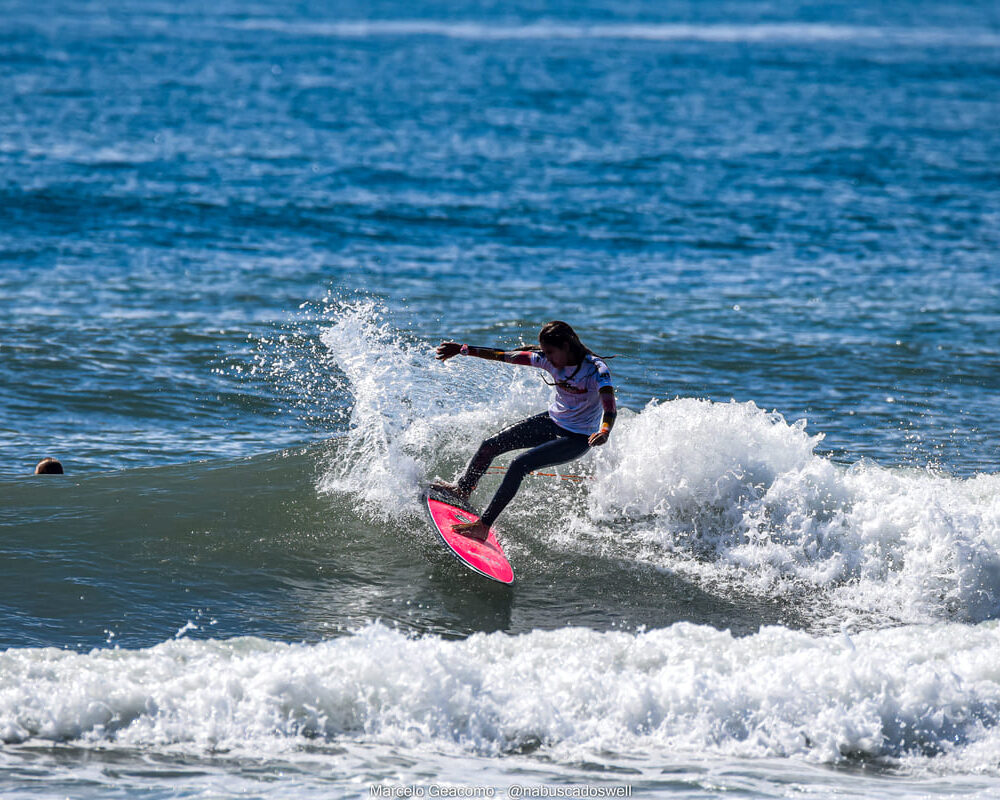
x=487, y=558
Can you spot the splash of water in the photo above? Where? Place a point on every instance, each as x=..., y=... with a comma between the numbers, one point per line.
x=411, y=415
x=729, y=492
x=726, y=493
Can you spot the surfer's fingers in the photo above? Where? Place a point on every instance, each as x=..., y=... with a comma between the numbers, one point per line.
x=446, y=350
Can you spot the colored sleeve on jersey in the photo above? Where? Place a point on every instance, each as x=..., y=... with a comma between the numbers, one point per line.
x=526, y=358
x=489, y=353
x=608, y=403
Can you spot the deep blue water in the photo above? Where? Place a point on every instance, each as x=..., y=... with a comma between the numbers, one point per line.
x=230, y=238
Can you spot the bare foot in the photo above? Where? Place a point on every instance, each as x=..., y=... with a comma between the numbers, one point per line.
x=474, y=530
x=450, y=488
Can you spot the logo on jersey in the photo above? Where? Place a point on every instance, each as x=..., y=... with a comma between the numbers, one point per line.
x=569, y=387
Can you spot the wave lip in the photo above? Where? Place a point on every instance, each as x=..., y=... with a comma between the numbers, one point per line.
x=410, y=411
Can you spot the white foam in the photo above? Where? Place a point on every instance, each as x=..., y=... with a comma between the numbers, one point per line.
x=411, y=413
x=790, y=32
x=725, y=493
x=928, y=697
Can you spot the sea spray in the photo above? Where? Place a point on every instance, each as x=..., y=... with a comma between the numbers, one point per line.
x=412, y=415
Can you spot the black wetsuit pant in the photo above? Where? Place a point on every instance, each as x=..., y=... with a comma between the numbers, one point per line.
x=550, y=445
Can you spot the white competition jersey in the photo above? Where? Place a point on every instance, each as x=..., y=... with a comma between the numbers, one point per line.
x=577, y=404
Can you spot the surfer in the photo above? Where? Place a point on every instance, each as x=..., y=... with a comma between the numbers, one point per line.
x=580, y=416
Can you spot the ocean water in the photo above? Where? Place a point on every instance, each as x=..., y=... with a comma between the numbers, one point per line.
x=230, y=239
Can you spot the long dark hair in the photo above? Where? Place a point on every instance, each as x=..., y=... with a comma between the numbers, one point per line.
x=560, y=334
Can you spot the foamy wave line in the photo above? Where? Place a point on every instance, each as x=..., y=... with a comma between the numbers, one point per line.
x=723, y=33
x=727, y=491
x=926, y=695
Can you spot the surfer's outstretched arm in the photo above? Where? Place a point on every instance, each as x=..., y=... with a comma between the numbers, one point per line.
x=447, y=350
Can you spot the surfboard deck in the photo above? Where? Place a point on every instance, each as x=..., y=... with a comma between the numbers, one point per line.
x=486, y=558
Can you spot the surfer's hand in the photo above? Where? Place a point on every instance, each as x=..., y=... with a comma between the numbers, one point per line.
x=598, y=438
x=447, y=350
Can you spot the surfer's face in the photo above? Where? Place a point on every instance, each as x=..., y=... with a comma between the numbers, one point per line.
x=558, y=356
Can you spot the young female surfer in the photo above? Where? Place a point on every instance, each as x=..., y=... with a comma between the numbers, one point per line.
x=580, y=416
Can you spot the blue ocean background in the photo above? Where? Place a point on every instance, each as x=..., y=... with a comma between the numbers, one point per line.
x=230, y=238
